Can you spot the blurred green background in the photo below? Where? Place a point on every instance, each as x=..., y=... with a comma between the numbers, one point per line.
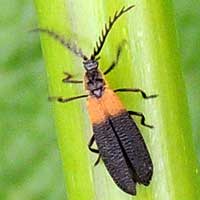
x=30, y=165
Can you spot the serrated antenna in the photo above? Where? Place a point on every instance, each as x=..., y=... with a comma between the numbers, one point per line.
x=68, y=44
x=104, y=33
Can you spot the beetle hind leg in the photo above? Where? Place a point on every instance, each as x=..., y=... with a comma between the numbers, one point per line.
x=91, y=142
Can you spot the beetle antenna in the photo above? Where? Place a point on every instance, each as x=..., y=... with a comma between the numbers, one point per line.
x=104, y=33
x=68, y=44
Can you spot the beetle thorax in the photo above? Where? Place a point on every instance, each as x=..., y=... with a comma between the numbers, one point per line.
x=94, y=83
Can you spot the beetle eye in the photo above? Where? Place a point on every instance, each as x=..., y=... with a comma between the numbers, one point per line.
x=90, y=65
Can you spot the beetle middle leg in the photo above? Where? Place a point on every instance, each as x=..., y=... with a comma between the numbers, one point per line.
x=144, y=95
x=65, y=100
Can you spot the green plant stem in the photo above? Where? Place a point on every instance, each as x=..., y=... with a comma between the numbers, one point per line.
x=157, y=65
x=150, y=60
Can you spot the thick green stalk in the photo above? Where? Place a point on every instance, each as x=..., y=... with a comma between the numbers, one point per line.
x=150, y=61
x=157, y=66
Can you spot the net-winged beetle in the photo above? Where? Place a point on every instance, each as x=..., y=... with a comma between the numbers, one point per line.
x=119, y=141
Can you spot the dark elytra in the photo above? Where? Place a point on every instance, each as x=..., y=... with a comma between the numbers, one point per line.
x=123, y=150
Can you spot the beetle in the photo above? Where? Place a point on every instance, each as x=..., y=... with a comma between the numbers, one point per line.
x=119, y=141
